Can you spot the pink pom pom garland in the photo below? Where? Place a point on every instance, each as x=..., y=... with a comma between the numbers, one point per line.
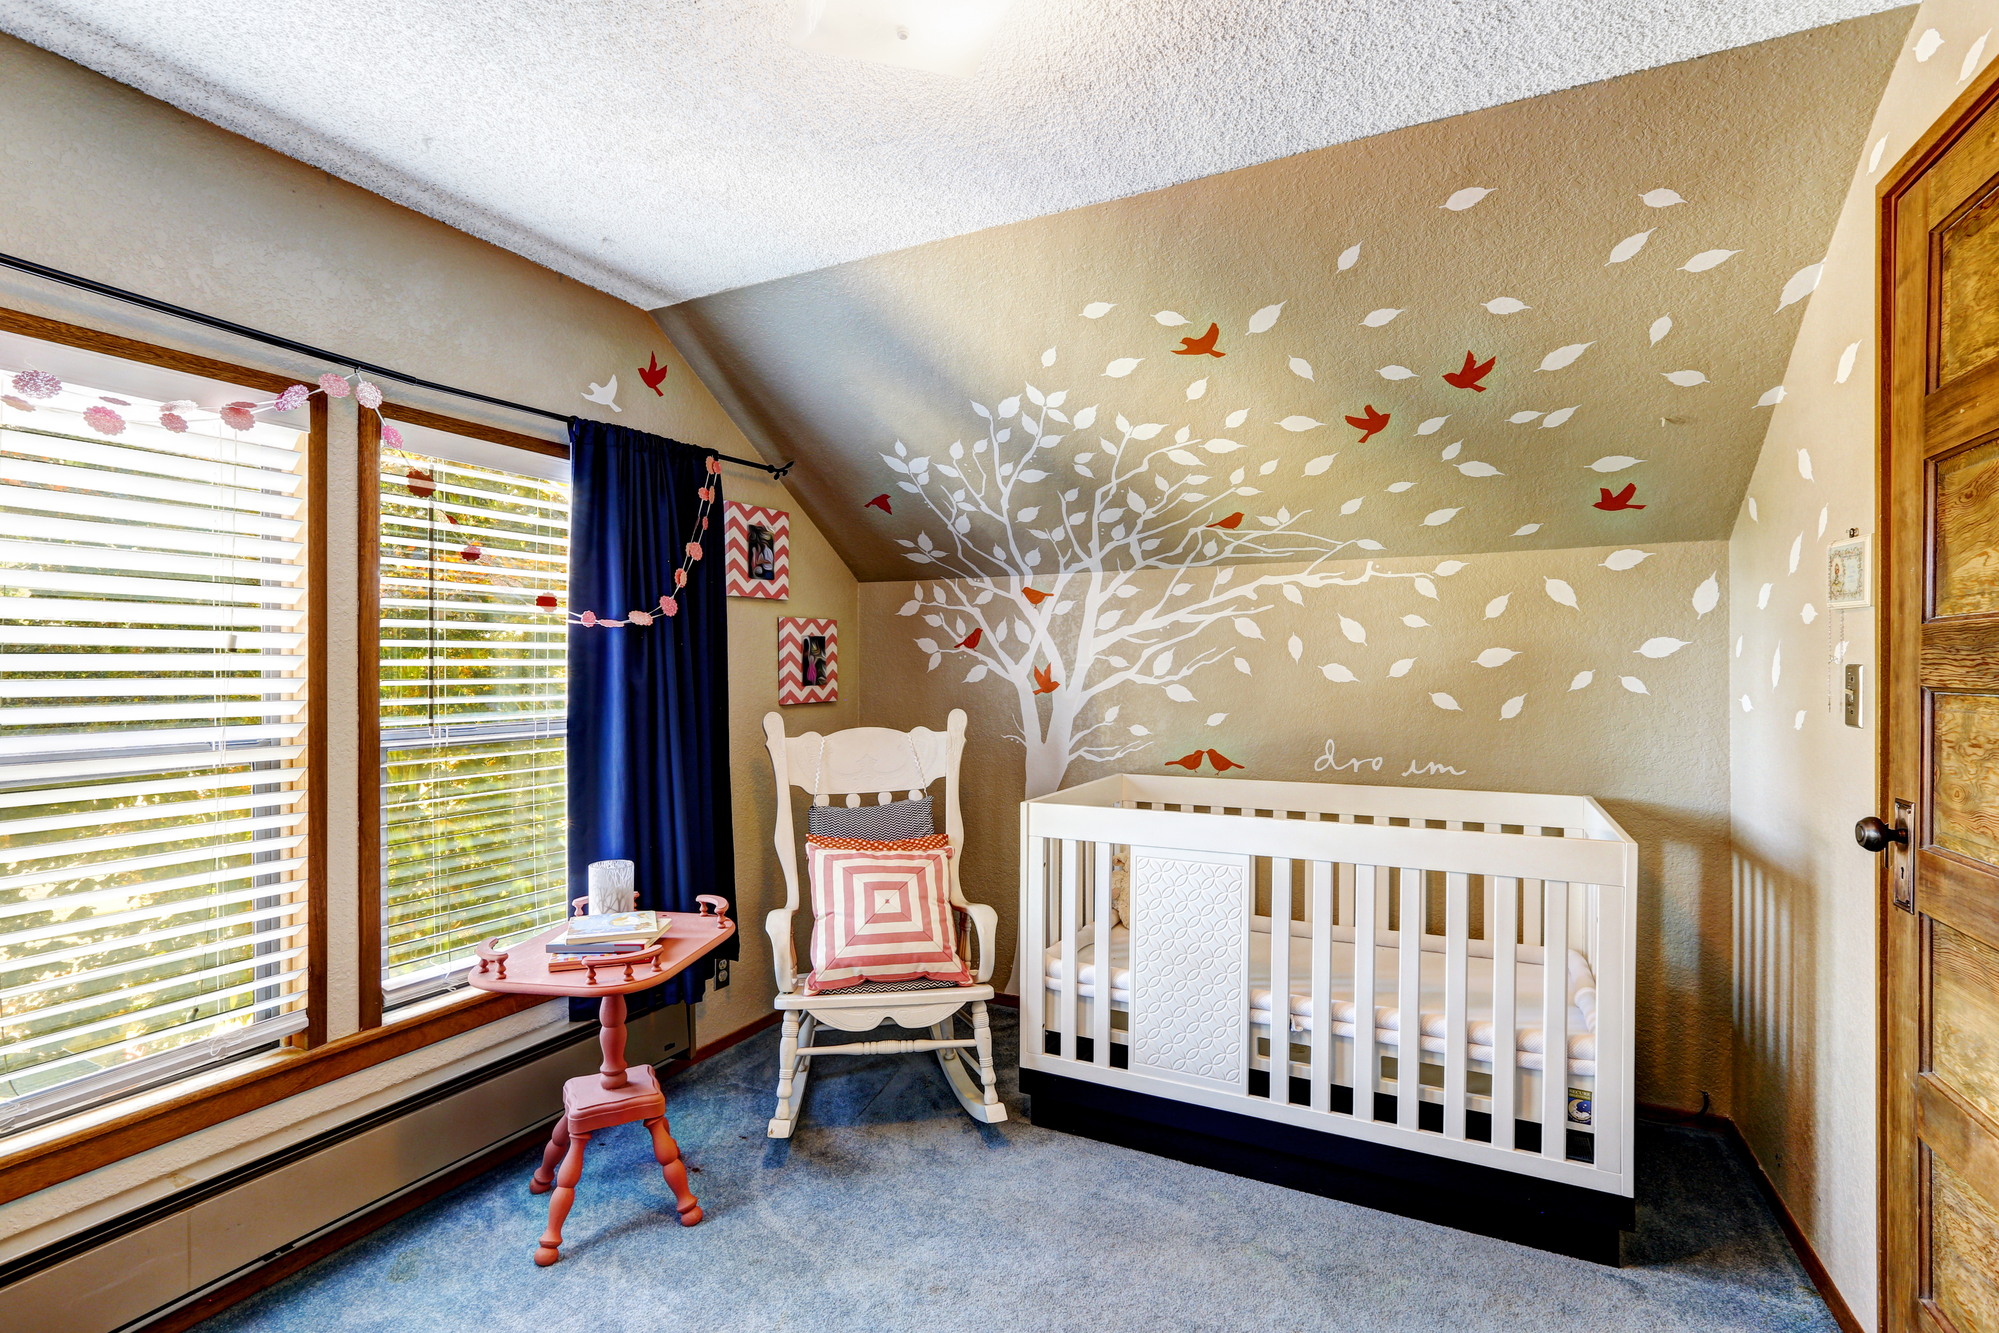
x=669, y=605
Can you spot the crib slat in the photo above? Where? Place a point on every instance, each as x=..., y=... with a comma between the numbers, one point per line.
x=1366, y=1060
x=1280, y=980
x=1071, y=854
x=1409, y=1001
x=1457, y=928
x=1322, y=985
x=1033, y=946
x=1106, y=924
x=1505, y=976
x=1555, y=1022
x=1530, y=910
x=1607, y=1112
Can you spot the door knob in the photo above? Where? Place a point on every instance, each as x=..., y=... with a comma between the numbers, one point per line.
x=1875, y=835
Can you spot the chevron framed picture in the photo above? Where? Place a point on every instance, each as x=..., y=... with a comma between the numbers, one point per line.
x=756, y=546
x=808, y=661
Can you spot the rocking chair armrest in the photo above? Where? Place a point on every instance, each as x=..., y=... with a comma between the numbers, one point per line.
x=784, y=952
x=986, y=921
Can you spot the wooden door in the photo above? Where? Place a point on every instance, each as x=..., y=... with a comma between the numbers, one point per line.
x=1939, y=825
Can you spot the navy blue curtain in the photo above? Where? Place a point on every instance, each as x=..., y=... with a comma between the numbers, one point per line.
x=648, y=707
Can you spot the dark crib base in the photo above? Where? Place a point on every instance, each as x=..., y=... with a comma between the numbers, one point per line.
x=1545, y=1215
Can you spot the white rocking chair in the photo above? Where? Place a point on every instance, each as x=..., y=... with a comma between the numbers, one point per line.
x=851, y=763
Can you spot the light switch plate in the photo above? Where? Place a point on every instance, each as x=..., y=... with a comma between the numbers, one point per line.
x=1855, y=708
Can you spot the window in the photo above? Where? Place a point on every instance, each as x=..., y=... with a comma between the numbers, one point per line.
x=474, y=568
x=153, y=728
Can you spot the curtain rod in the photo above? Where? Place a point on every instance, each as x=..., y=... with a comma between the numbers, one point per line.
x=303, y=349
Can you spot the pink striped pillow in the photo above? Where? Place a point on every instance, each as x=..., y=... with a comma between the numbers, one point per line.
x=881, y=916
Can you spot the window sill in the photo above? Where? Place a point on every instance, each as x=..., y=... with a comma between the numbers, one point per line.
x=64, y=1149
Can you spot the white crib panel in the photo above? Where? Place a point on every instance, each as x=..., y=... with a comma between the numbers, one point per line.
x=1409, y=969
x=1555, y=1023
x=1457, y=926
x=1366, y=1059
x=1503, y=926
x=1320, y=906
x=1069, y=862
x=1106, y=921
x=1188, y=1017
x=1280, y=979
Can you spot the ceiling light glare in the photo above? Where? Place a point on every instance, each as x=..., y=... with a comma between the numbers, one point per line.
x=942, y=36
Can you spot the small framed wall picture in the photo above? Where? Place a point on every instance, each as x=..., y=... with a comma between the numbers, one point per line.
x=757, y=551
x=1849, y=574
x=808, y=661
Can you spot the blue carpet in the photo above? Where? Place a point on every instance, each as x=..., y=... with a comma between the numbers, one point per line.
x=891, y=1211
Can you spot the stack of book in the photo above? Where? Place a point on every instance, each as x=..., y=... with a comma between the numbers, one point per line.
x=604, y=938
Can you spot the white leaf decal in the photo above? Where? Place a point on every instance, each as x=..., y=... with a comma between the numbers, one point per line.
x=1613, y=463
x=1098, y=309
x=1874, y=158
x=1295, y=646
x=1352, y=506
x=1628, y=247
x=1522, y=418
x=1446, y=702
x=1172, y=319
x=1216, y=719
x=1707, y=259
x=1496, y=608
x=1926, y=45
x=1398, y=487
x=1237, y=417
x=1798, y=722
x=1180, y=694
x=1621, y=560
x=1264, y=318
x=1526, y=530
x=1707, y=596
x=1299, y=423
x=1376, y=318
x=1632, y=683
x=1248, y=628
x=1582, y=680
x=1825, y=512
x=1353, y=630
x=1432, y=425
x=1557, y=418
x=1110, y=714
x=1123, y=366
x=1797, y=549
x=1802, y=284
x=1048, y=359
x=1662, y=647
x=1809, y=613
x=1415, y=622
x=976, y=674
x=1086, y=418
x=1846, y=363
x=1396, y=373
x=1348, y=256
x=1421, y=585
x=1465, y=198
x=1438, y=517
x=1560, y=592
x=1563, y=356
x=1301, y=367
x=1493, y=657
x=1971, y=57
x=1183, y=458
x=1772, y=397
x=1197, y=388
x=1747, y=706
x=1763, y=596
x=1448, y=568
x=1140, y=731
x=1478, y=469
x=1401, y=667
x=1162, y=663
x=1333, y=671
x=1220, y=446
x=1686, y=379
x=1506, y=305
x=1661, y=327
x=1776, y=666
x=1319, y=464
x=1661, y=198
x=1511, y=708
x=1451, y=451
x=927, y=645
x=1146, y=431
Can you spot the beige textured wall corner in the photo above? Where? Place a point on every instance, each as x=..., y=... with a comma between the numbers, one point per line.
x=1805, y=896
x=1349, y=692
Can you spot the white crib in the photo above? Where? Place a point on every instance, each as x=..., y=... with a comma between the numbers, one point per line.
x=1218, y=897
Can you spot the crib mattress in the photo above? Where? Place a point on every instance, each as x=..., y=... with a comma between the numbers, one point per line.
x=1529, y=1040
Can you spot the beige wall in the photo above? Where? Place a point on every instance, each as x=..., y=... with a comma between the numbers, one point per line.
x=1657, y=760
x=110, y=184
x=1805, y=896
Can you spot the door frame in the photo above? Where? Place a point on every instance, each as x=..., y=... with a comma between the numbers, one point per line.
x=1901, y=386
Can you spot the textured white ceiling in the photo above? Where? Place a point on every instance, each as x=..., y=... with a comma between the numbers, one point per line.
x=663, y=151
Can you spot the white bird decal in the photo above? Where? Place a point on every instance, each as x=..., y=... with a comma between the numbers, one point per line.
x=605, y=394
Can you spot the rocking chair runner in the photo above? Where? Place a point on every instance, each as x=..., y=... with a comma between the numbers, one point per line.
x=851, y=763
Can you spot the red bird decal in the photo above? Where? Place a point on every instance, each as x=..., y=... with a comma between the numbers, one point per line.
x=1232, y=521
x=1472, y=372
x=1190, y=762
x=972, y=639
x=470, y=555
x=1621, y=500
x=1044, y=680
x=1035, y=598
x=421, y=484
x=1222, y=762
x=1201, y=346
x=652, y=373
x=879, y=502
x=1370, y=424
x=546, y=601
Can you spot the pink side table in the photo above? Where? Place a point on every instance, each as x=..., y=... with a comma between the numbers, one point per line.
x=615, y=1095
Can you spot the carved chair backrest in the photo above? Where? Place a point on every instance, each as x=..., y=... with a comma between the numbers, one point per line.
x=863, y=761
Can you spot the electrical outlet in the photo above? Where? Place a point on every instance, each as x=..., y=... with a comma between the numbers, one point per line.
x=722, y=974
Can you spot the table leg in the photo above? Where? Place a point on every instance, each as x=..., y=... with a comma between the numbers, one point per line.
x=550, y=1249
x=558, y=1143
x=611, y=1019
x=671, y=1167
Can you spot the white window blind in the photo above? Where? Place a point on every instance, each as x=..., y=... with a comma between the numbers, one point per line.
x=153, y=801
x=474, y=676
